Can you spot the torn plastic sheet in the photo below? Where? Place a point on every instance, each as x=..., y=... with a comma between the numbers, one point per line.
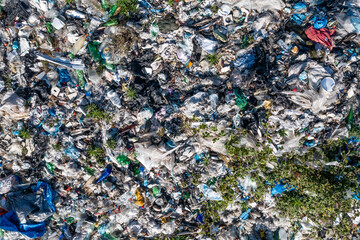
x=72, y=152
x=280, y=188
x=75, y=64
x=209, y=193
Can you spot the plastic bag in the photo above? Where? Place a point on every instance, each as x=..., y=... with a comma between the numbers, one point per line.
x=152, y=157
x=280, y=188
x=259, y=5
x=7, y=183
x=14, y=107
x=209, y=193
x=207, y=44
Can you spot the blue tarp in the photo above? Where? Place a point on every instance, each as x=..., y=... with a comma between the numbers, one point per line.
x=10, y=222
x=48, y=193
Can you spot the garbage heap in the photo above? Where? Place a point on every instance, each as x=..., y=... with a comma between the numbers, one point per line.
x=125, y=119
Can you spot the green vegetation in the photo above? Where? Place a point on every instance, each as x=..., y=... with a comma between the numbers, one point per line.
x=247, y=41
x=126, y=7
x=96, y=113
x=355, y=130
x=98, y=154
x=212, y=58
x=89, y=170
x=214, y=8
x=25, y=133
x=184, y=237
x=70, y=1
x=171, y=2
x=131, y=93
x=195, y=179
x=111, y=143
x=57, y=147
x=320, y=192
x=8, y=81
x=24, y=151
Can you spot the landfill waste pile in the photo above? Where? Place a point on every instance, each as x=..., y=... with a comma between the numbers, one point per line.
x=179, y=119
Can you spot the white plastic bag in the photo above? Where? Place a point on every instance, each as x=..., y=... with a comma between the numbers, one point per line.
x=13, y=106
x=209, y=193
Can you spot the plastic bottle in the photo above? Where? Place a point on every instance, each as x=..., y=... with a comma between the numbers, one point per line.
x=106, y=54
x=15, y=45
x=350, y=117
x=94, y=51
x=283, y=45
x=213, y=99
x=50, y=167
x=114, y=98
x=105, y=4
x=80, y=77
x=156, y=191
x=105, y=174
x=78, y=45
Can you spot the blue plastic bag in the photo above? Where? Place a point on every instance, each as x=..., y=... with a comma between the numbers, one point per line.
x=320, y=22
x=64, y=77
x=72, y=153
x=199, y=218
x=10, y=222
x=48, y=193
x=298, y=18
x=280, y=188
x=355, y=21
x=299, y=6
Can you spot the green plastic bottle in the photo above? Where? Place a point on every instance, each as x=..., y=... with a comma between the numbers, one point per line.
x=80, y=77
x=107, y=236
x=70, y=220
x=105, y=4
x=240, y=99
x=113, y=10
x=110, y=23
x=94, y=51
x=136, y=172
x=50, y=167
x=186, y=195
x=50, y=28
x=350, y=117
x=156, y=191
